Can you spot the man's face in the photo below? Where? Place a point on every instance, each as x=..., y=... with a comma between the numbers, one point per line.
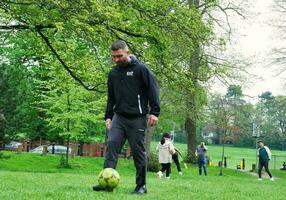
x=260, y=144
x=121, y=57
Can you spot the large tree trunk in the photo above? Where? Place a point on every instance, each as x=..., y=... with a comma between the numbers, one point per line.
x=191, y=137
x=192, y=106
x=192, y=115
x=68, y=130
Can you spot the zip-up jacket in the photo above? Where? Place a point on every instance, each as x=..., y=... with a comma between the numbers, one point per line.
x=165, y=151
x=130, y=89
x=264, y=153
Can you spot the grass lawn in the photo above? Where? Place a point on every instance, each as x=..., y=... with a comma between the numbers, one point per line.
x=32, y=176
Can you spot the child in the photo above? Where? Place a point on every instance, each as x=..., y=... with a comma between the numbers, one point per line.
x=165, y=149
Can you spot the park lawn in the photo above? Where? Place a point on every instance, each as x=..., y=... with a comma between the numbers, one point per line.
x=32, y=176
x=235, y=154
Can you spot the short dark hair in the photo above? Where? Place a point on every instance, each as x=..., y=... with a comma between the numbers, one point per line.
x=166, y=135
x=259, y=141
x=119, y=44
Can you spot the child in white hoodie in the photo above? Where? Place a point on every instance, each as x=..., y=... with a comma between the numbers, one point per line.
x=165, y=150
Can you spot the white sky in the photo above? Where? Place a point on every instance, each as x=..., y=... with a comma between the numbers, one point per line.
x=254, y=38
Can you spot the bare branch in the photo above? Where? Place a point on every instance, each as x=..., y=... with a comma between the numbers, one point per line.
x=25, y=27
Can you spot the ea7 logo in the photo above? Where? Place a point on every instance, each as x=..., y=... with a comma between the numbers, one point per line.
x=129, y=73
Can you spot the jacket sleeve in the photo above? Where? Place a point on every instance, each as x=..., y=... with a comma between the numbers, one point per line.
x=257, y=152
x=268, y=152
x=153, y=91
x=171, y=149
x=110, y=101
x=178, y=151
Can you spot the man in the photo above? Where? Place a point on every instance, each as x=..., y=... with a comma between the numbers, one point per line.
x=131, y=87
x=264, y=155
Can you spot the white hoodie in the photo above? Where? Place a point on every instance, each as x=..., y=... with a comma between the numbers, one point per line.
x=166, y=151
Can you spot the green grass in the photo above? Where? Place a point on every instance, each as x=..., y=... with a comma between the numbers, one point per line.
x=32, y=176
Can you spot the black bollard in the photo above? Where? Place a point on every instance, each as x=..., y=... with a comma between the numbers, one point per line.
x=253, y=167
x=224, y=163
x=243, y=163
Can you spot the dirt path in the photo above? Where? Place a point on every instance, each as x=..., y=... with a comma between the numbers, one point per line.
x=264, y=175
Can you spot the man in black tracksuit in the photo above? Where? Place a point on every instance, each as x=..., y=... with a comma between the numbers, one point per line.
x=131, y=88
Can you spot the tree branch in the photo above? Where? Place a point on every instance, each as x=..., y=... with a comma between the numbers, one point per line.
x=46, y=40
x=25, y=27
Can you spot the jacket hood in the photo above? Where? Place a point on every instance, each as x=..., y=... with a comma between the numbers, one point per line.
x=167, y=142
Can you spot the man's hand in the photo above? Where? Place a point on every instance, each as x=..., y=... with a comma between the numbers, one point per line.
x=152, y=120
x=107, y=123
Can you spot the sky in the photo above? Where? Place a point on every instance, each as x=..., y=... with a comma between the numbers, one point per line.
x=254, y=38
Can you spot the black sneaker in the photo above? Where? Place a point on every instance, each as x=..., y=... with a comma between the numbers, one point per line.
x=99, y=188
x=140, y=190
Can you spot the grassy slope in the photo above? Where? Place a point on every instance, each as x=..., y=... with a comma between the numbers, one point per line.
x=30, y=176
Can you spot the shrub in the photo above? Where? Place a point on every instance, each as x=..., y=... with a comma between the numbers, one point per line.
x=153, y=163
x=63, y=162
x=3, y=156
x=190, y=158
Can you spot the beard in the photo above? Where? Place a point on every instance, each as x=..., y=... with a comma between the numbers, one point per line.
x=122, y=64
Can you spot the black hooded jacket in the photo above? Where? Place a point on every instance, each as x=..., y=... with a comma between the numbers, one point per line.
x=131, y=89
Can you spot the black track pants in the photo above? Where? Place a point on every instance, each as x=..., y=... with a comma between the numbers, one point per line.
x=132, y=129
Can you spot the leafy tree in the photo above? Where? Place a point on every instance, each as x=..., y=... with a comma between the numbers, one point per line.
x=279, y=53
x=229, y=117
x=271, y=111
x=174, y=37
x=18, y=74
x=280, y=115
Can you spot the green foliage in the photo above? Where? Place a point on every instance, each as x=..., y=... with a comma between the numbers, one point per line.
x=271, y=119
x=3, y=156
x=63, y=162
x=234, y=91
x=153, y=163
x=64, y=49
x=17, y=74
x=229, y=118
